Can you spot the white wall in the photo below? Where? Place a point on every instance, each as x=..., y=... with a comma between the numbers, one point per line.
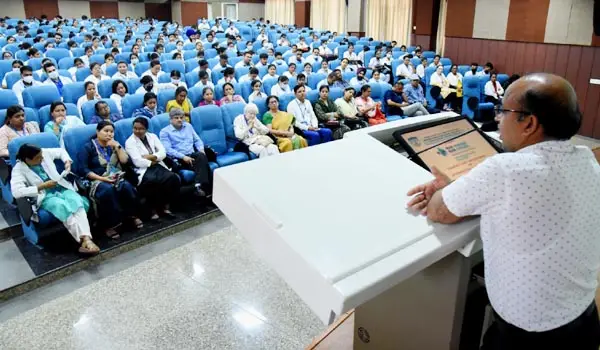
x=132, y=9
x=247, y=11
x=354, y=16
x=13, y=8
x=176, y=11
x=73, y=9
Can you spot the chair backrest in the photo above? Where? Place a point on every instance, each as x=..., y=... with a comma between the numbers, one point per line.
x=171, y=65
x=123, y=129
x=141, y=67
x=230, y=111
x=240, y=72
x=165, y=96
x=58, y=54
x=88, y=110
x=82, y=73
x=195, y=95
x=5, y=67
x=39, y=96
x=31, y=115
x=471, y=96
x=7, y=98
x=261, y=103
x=111, y=69
x=285, y=99
x=133, y=85
x=130, y=103
x=97, y=59
x=376, y=94
x=11, y=79
x=105, y=88
x=208, y=123
x=42, y=140
x=72, y=92
x=268, y=85
x=314, y=79
x=219, y=91
x=336, y=93
x=75, y=139
x=45, y=117
x=158, y=122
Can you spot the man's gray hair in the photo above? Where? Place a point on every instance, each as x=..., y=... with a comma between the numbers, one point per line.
x=176, y=112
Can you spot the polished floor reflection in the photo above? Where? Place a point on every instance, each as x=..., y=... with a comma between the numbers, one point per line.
x=209, y=292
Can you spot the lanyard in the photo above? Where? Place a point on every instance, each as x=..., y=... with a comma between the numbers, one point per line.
x=303, y=111
x=105, y=152
x=249, y=128
x=22, y=132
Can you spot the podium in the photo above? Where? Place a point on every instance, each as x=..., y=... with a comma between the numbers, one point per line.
x=332, y=221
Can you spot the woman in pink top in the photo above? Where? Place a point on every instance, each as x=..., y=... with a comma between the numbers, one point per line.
x=208, y=98
x=15, y=126
x=229, y=95
x=368, y=108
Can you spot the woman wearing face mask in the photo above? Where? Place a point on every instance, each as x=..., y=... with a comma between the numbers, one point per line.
x=176, y=79
x=324, y=68
x=156, y=182
x=90, y=95
x=35, y=176
x=249, y=130
x=119, y=91
x=256, y=91
x=150, y=108
x=229, y=95
x=61, y=122
x=182, y=102
x=15, y=126
x=208, y=98
x=282, y=87
x=262, y=37
x=178, y=47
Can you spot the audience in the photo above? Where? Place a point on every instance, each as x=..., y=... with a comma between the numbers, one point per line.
x=256, y=91
x=61, y=121
x=119, y=91
x=103, y=161
x=156, y=182
x=15, y=126
x=182, y=102
x=103, y=113
x=208, y=96
x=414, y=93
x=90, y=95
x=229, y=95
x=306, y=120
x=360, y=79
x=327, y=113
x=396, y=103
x=438, y=79
x=291, y=72
x=96, y=75
x=493, y=90
x=35, y=176
x=281, y=125
x=253, y=133
x=282, y=87
x=54, y=79
x=368, y=108
x=455, y=84
x=150, y=108
x=25, y=82
x=405, y=70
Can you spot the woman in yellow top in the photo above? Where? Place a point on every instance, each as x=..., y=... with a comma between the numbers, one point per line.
x=181, y=102
x=281, y=125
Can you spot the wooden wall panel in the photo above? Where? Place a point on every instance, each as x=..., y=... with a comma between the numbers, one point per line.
x=462, y=16
x=422, y=40
x=576, y=63
x=302, y=13
x=191, y=11
x=37, y=8
x=422, y=16
x=527, y=20
x=159, y=11
x=104, y=9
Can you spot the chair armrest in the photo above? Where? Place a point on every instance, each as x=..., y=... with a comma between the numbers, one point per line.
x=25, y=210
x=5, y=169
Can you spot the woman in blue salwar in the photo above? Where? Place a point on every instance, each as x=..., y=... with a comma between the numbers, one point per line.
x=35, y=176
x=103, y=161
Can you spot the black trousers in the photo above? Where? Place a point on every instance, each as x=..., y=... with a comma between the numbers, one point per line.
x=159, y=186
x=583, y=333
x=200, y=168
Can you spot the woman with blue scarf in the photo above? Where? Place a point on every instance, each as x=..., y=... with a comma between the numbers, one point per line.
x=150, y=109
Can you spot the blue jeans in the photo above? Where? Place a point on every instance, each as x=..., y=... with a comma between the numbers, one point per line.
x=320, y=136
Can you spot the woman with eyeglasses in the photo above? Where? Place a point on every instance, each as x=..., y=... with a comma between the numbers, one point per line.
x=281, y=125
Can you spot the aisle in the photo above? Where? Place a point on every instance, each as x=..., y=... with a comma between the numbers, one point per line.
x=211, y=293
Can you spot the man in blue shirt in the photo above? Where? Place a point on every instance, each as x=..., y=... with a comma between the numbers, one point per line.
x=185, y=150
x=396, y=103
x=414, y=94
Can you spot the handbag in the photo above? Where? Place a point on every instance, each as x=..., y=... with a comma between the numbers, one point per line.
x=263, y=140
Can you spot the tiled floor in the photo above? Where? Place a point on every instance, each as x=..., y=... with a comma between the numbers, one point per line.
x=210, y=292
x=14, y=269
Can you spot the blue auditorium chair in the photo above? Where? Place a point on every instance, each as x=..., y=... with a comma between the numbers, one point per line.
x=130, y=103
x=219, y=90
x=428, y=72
x=209, y=125
x=88, y=110
x=105, y=88
x=98, y=58
x=165, y=96
x=124, y=129
x=229, y=112
x=171, y=65
x=268, y=84
x=5, y=67
x=261, y=103
x=313, y=96
x=58, y=54
x=82, y=73
x=141, y=67
x=285, y=99
x=7, y=98
x=472, y=102
x=72, y=92
x=336, y=93
x=39, y=96
x=195, y=95
x=74, y=139
x=111, y=69
x=191, y=78
x=12, y=78
x=314, y=79
x=66, y=63
x=240, y=72
x=133, y=85
x=45, y=117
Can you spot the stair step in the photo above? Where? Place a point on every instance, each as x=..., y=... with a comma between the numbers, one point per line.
x=10, y=225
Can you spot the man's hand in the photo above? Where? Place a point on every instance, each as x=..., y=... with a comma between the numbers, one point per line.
x=188, y=160
x=58, y=120
x=422, y=194
x=312, y=129
x=46, y=185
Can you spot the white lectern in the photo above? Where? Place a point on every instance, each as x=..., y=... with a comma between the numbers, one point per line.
x=332, y=221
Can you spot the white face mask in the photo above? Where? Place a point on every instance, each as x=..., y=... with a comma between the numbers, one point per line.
x=53, y=75
x=179, y=47
x=16, y=70
x=175, y=81
x=28, y=79
x=135, y=61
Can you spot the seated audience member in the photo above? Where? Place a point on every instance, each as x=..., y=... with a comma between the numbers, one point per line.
x=25, y=82
x=228, y=76
x=455, y=84
x=301, y=80
x=182, y=102
x=108, y=60
x=281, y=125
x=185, y=150
x=302, y=45
x=203, y=81
x=296, y=59
x=35, y=176
x=154, y=72
x=102, y=160
x=345, y=66
x=351, y=55
x=376, y=78
x=251, y=76
x=15, y=126
x=329, y=81
x=377, y=62
x=396, y=103
x=493, y=90
x=315, y=57
x=96, y=75
x=405, y=70
x=249, y=130
x=359, y=80
x=103, y=113
x=488, y=68
x=271, y=73
x=156, y=182
x=473, y=70
x=229, y=95
x=119, y=91
x=414, y=93
x=278, y=61
x=90, y=95
x=176, y=79
x=77, y=64
x=61, y=122
x=306, y=120
x=208, y=98
x=54, y=78
x=327, y=114
x=263, y=60
x=123, y=73
x=150, y=108
x=367, y=108
x=246, y=61
x=16, y=68
x=222, y=63
x=439, y=80
x=291, y=72
x=436, y=61
x=282, y=86
x=307, y=69
x=324, y=68
x=148, y=85
x=347, y=107
x=256, y=91
x=421, y=69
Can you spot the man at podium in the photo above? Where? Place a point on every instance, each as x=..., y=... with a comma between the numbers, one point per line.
x=539, y=220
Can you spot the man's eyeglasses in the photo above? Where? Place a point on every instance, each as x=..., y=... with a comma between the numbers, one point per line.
x=499, y=112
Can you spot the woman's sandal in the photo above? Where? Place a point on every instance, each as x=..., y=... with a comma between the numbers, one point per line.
x=88, y=248
x=154, y=216
x=168, y=214
x=137, y=223
x=112, y=233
